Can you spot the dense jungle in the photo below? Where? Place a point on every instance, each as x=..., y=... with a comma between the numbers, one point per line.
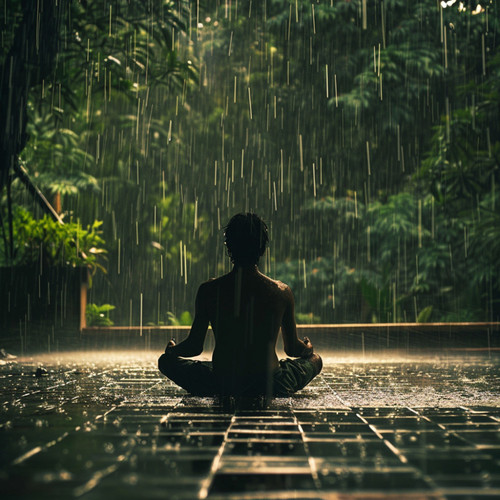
x=365, y=132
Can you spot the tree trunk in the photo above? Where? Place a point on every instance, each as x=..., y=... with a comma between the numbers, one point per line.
x=29, y=61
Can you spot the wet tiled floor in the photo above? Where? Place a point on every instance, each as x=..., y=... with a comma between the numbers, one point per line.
x=108, y=425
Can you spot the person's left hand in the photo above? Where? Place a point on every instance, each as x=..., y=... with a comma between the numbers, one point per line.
x=171, y=343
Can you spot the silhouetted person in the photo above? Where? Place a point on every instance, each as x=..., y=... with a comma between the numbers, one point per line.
x=246, y=310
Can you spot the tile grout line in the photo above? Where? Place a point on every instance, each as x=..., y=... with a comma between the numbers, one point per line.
x=310, y=458
x=205, y=485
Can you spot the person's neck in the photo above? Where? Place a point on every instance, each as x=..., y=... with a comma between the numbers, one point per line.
x=253, y=269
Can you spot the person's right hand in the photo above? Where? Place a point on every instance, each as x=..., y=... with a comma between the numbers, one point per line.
x=308, y=350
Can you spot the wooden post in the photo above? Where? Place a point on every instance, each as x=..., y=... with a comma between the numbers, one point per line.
x=84, y=286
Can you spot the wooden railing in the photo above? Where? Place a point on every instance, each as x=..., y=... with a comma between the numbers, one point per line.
x=345, y=337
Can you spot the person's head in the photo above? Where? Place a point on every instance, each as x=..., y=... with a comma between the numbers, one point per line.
x=246, y=239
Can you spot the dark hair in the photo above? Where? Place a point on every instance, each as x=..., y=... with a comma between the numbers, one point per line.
x=246, y=238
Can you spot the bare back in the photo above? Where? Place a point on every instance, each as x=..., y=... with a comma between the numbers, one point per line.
x=245, y=309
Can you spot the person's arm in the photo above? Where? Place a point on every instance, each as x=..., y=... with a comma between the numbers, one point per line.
x=293, y=345
x=193, y=345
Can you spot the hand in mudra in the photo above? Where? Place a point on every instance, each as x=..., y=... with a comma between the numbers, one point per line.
x=171, y=343
x=308, y=350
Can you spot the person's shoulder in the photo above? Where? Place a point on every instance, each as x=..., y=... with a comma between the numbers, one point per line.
x=285, y=290
x=206, y=285
x=210, y=284
x=280, y=286
x=210, y=280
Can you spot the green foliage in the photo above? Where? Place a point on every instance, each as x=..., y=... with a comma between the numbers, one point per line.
x=98, y=315
x=46, y=242
x=56, y=157
x=178, y=224
x=405, y=258
x=424, y=315
x=98, y=127
x=462, y=169
x=306, y=318
x=113, y=56
x=185, y=319
x=365, y=132
x=378, y=299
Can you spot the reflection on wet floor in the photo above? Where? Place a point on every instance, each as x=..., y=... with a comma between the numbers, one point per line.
x=108, y=425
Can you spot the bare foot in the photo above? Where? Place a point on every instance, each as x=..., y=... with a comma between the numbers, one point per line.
x=171, y=343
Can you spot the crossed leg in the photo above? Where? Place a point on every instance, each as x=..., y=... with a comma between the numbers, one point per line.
x=294, y=374
x=196, y=377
